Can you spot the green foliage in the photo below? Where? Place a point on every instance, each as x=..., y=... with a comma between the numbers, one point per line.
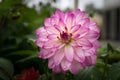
x=114, y=72
x=91, y=73
x=17, y=33
x=6, y=69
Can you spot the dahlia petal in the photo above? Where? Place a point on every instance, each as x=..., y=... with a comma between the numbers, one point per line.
x=39, y=43
x=96, y=44
x=80, y=54
x=76, y=12
x=62, y=25
x=76, y=58
x=84, y=43
x=92, y=35
x=87, y=53
x=46, y=54
x=91, y=51
x=59, y=14
x=80, y=16
x=81, y=32
x=57, y=69
x=58, y=57
x=93, y=26
x=48, y=45
x=75, y=67
x=57, y=27
x=75, y=28
x=52, y=36
x=47, y=22
x=51, y=63
x=86, y=22
x=90, y=60
x=44, y=39
x=76, y=36
x=54, y=20
x=41, y=32
x=65, y=64
x=59, y=45
x=51, y=30
x=69, y=53
x=69, y=21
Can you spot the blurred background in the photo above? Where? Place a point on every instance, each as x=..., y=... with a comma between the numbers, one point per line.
x=20, y=18
x=29, y=15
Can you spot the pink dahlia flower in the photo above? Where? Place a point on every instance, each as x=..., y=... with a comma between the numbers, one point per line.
x=69, y=41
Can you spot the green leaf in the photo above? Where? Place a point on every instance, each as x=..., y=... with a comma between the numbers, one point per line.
x=110, y=48
x=114, y=72
x=43, y=77
x=3, y=76
x=27, y=58
x=90, y=73
x=18, y=55
x=28, y=62
x=6, y=69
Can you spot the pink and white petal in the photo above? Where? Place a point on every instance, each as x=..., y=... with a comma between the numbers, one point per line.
x=80, y=16
x=93, y=26
x=47, y=22
x=57, y=69
x=84, y=43
x=83, y=14
x=92, y=51
x=80, y=53
x=59, y=55
x=84, y=22
x=46, y=54
x=76, y=58
x=39, y=43
x=69, y=52
x=42, y=36
x=75, y=28
x=62, y=25
x=51, y=44
x=52, y=37
x=87, y=53
x=81, y=32
x=42, y=39
x=51, y=63
x=90, y=60
x=61, y=45
x=96, y=44
x=76, y=12
x=75, y=67
x=42, y=52
x=65, y=64
x=51, y=30
x=54, y=20
x=57, y=27
x=40, y=30
x=59, y=14
x=92, y=35
x=70, y=21
x=67, y=14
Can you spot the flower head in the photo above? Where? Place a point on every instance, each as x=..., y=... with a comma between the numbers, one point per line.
x=29, y=74
x=69, y=41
